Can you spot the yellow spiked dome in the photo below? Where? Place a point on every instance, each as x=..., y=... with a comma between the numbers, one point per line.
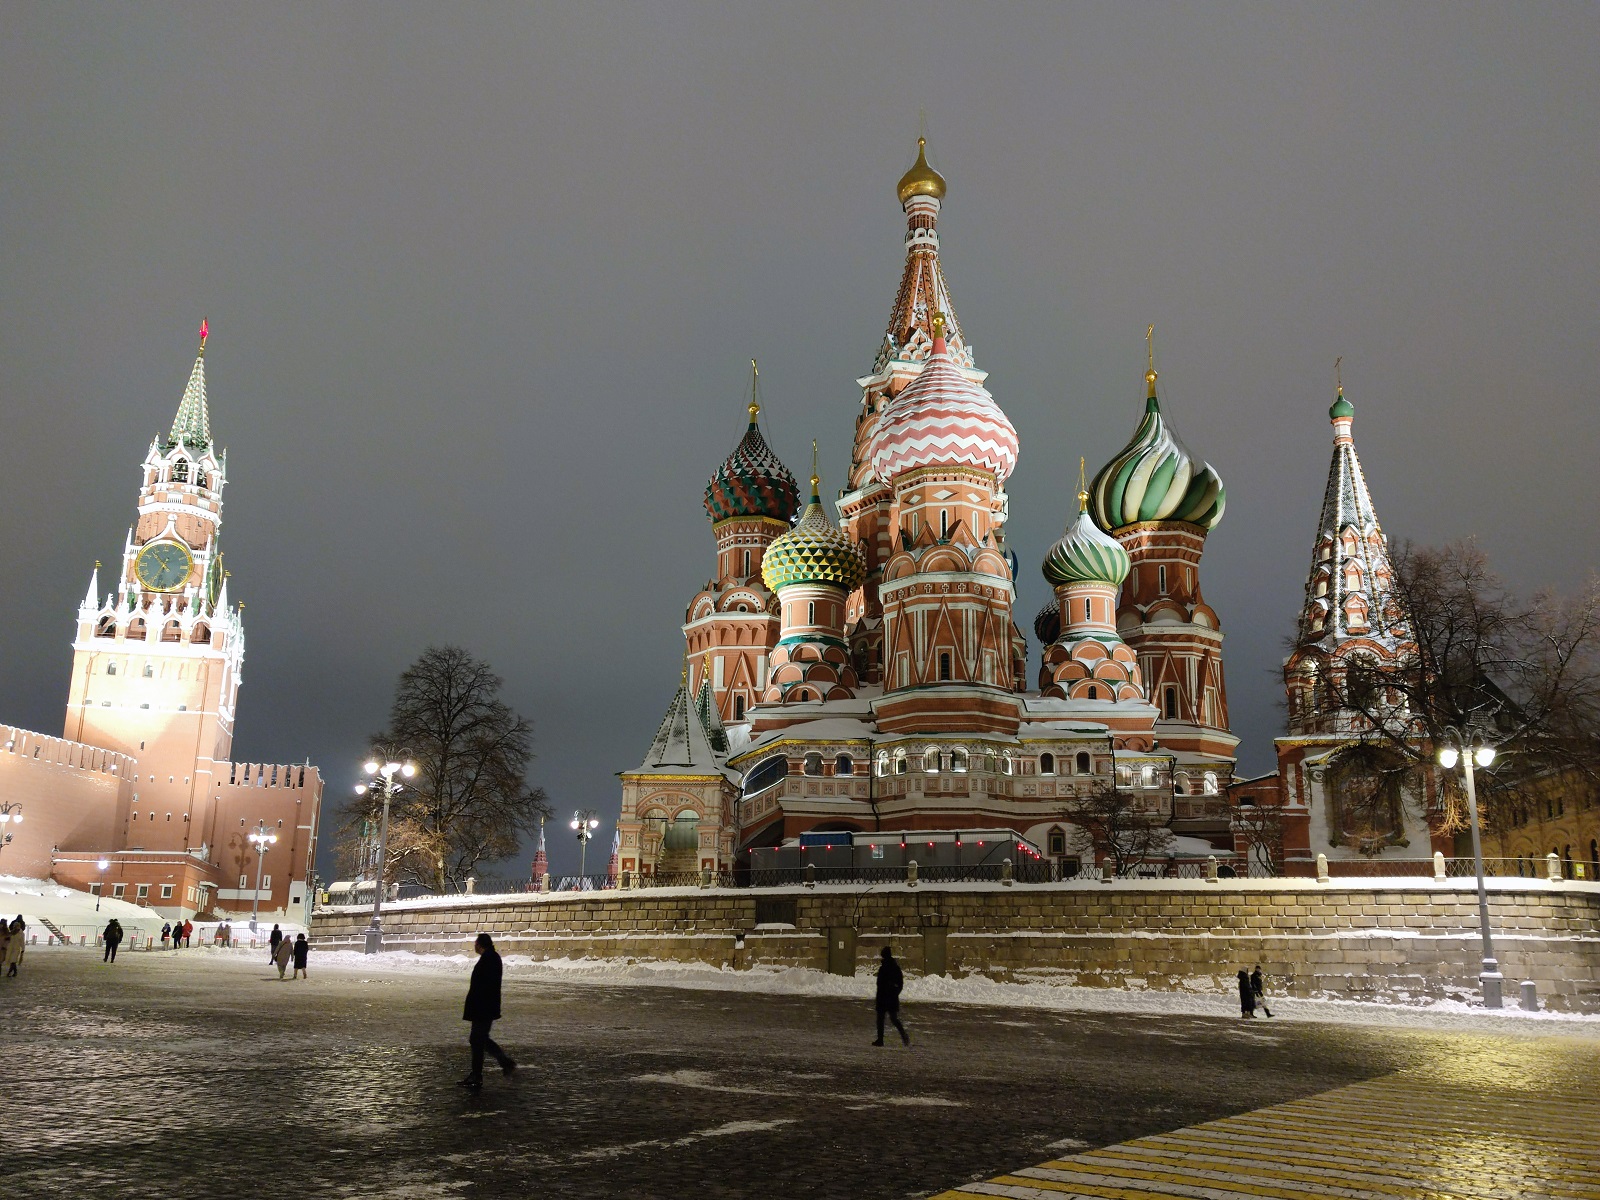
x=814, y=551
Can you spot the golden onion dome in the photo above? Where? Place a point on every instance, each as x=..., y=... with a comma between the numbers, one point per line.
x=921, y=180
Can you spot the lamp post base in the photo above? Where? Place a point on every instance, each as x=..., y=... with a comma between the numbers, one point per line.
x=374, y=939
x=1491, y=979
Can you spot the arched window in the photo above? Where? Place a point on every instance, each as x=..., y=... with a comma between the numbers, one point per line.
x=1047, y=763
x=813, y=764
x=930, y=760
x=1093, y=693
x=747, y=564
x=844, y=765
x=944, y=667
x=1210, y=783
x=883, y=762
x=149, y=671
x=180, y=471
x=171, y=632
x=1007, y=763
x=738, y=708
x=1088, y=610
x=1082, y=762
x=201, y=635
x=900, y=764
x=111, y=668
x=1161, y=579
x=1169, y=703
x=958, y=759
x=136, y=630
x=106, y=628
x=944, y=523
x=811, y=612
x=1058, y=841
x=766, y=773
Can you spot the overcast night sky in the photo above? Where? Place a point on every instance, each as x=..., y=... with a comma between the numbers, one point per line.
x=484, y=282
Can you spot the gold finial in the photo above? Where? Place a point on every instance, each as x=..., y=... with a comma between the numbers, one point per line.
x=97, y=564
x=938, y=325
x=1083, y=488
x=685, y=682
x=1338, y=381
x=755, y=391
x=816, y=480
x=921, y=179
x=1150, y=371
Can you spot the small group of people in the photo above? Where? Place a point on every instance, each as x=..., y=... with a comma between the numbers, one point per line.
x=111, y=938
x=1252, y=992
x=178, y=933
x=13, y=941
x=282, y=951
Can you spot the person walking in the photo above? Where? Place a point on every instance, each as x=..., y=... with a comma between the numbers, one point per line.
x=112, y=937
x=5, y=944
x=166, y=932
x=1258, y=987
x=482, y=1009
x=19, y=929
x=302, y=951
x=891, y=980
x=188, y=932
x=1247, y=996
x=283, y=954
x=272, y=944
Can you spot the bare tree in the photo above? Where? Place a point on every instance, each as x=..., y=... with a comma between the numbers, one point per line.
x=1260, y=827
x=469, y=803
x=1525, y=671
x=1117, y=828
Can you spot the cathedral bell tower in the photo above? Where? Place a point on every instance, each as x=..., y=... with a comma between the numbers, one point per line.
x=156, y=662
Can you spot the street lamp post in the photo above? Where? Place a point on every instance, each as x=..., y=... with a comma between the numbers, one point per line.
x=260, y=839
x=383, y=770
x=585, y=821
x=9, y=812
x=1469, y=749
x=102, y=864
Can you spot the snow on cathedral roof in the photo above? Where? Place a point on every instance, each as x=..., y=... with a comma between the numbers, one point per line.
x=682, y=745
x=1349, y=592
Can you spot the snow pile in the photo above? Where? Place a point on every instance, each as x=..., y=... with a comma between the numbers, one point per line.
x=1421, y=1013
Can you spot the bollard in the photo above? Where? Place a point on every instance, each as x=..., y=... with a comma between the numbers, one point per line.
x=811, y=875
x=625, y=880
x=472, y=884
x=1005, y=872
x=1438, y=864
x=1530, y=995
x=1552, y=867
x=1211, y=868
x=911, y=872
x=705, y=877
x=544, y=882
x=1322, y=868
x=1108, y=871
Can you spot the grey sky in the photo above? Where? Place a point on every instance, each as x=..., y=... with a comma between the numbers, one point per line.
x=484, y=281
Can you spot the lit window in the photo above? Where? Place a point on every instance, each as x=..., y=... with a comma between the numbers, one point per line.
x=958, y=759
x=1211, y=783
x=883, y=762
x=900, y=765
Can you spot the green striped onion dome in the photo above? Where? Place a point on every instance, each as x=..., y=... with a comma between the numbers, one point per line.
x=1086, y=554
x=751, y=482
x=814, y=551
x=1156, y=479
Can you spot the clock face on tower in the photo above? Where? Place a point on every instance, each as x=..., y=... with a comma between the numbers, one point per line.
x=163, y=566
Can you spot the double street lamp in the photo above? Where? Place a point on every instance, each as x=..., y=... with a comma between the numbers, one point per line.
x=260, y=838
x=102, y=864
x=585, y=821
x=1469, y=748
x=383, y=768
x=9, y=812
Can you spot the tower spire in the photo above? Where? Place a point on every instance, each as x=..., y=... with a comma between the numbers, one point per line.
x=1150, y=371
x=755, y=392
x=192, y=425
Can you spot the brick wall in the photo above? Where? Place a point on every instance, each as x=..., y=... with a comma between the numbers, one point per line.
x=1357, y=940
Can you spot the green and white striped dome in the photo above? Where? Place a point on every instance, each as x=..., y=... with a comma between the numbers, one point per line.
x=814, y=551
x=1086, y=554
x=1156, y=479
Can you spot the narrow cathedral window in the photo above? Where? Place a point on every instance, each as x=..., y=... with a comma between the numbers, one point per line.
x=811, y=612
x=1094, y=692
x=944, y=523
x=1170, y=703
x=1047, y=764
x=1161, y=579
x=111, y=668
x=738, y=708
x=747, y=562
x=944, y=668
x=844, y=765
x=1088, y=610
x=1083, y=762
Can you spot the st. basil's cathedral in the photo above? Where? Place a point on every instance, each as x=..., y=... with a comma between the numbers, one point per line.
x=869, y=674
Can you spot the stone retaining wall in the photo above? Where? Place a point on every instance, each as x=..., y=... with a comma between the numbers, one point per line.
x=1372, y=939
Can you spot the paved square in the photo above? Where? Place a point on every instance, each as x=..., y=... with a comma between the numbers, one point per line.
x=199, y=1074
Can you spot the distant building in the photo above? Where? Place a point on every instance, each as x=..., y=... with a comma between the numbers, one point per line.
x=870, y=675
x=142, y=776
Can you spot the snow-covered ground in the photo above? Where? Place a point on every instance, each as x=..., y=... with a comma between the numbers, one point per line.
x=81, y=917
x=1040, y=994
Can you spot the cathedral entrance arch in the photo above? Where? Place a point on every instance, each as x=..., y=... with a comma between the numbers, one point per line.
x=680, y=844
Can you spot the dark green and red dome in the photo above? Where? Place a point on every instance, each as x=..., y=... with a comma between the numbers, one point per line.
x=751, y=482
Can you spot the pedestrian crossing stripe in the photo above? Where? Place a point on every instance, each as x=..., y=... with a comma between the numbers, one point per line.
x=1406, y=1136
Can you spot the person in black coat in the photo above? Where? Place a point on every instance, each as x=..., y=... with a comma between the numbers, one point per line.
x=890, y=982
x=272, y=944
x=112, y=938
x=483, y=1010
x=1247, y=995
x=1258, y=985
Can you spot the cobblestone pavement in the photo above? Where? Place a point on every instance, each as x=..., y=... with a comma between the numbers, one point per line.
x=196, y=1074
